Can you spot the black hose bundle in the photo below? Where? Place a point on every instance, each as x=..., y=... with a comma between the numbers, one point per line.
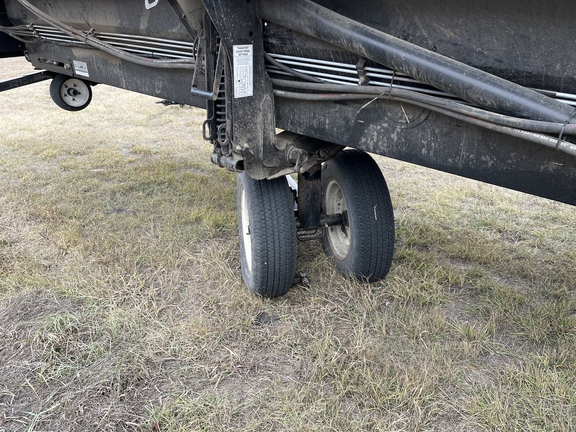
x=530, y=130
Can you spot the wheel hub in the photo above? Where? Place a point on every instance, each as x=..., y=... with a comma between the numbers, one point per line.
x=72, y=92
x=339, y=235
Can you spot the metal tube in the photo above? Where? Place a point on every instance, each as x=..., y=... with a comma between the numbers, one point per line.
x=25, y=80
x=400, y=80
x=312, y=60
x=468, y=83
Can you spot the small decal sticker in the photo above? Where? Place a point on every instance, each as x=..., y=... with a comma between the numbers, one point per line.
x=81, y=68
x=149, y=4
x=243, y=71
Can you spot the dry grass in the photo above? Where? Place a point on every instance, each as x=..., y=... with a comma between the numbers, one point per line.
x=122, y=307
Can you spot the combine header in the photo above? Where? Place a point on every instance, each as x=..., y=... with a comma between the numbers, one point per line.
x=484, y=90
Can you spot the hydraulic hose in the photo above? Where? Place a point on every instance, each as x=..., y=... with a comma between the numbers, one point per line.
x=20, y=33
x=291, y=71
x=449, y=108
x=468, y=83
x=94, y=42
x=392, y=93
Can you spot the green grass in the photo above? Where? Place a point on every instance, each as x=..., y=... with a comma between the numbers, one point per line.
x=122, y=306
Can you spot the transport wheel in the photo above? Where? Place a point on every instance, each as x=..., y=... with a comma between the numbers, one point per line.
x=267, y=229
x=363, y=246
x=71, y=94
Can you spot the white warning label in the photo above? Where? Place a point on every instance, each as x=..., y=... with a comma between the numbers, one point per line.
x=243, y=71
x=81, y=68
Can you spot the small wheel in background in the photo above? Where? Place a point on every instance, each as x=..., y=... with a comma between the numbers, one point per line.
x=353, y=185
x=71, y=94
x=267, y=231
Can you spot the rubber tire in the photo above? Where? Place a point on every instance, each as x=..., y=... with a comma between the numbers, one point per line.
x=268, y=248
x=363, y=248
x=58, y=92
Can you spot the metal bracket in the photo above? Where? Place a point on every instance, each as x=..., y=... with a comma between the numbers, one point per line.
x=363, y=78
x=213, y=95
x=252, y=128
x=307, y=235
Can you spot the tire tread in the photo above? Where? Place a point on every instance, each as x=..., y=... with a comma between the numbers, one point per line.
x=364, y=188
x=273, y=230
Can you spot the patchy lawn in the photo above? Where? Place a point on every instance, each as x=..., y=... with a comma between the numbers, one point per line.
x=122, y=306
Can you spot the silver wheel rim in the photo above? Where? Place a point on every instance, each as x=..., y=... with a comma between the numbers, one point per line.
x=75, y=92
x=246, y=238
x=338, y=236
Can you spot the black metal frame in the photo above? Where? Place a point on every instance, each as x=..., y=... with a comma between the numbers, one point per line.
x=486, y=54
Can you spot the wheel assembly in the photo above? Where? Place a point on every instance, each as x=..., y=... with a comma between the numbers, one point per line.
x=71, y=94
x=363, y=245
x=267, y=231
